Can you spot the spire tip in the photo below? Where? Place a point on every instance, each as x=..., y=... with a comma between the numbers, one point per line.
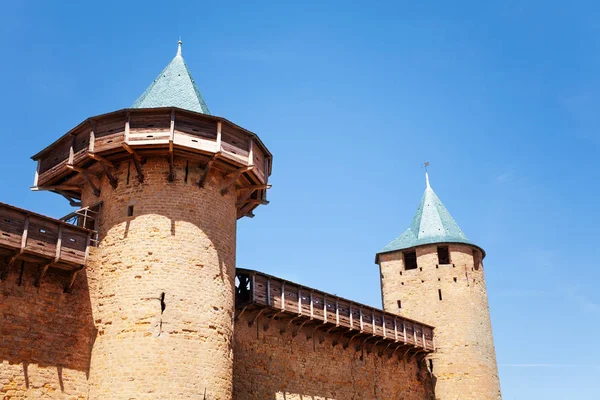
x=179, y=43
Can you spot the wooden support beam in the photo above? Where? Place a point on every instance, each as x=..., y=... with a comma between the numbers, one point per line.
x=171, y=177
x=106, y=166
x=218, y=143
x=207, y=169
x=232, y=178
x=87, y=177
x=72, y=202
x=251, y=152
x=58, y=244
x=69, y=286
x=40, y=276
x=10, y=263
x=37, y=174
x=137, y=159
x=92, y=136
x=65, y=188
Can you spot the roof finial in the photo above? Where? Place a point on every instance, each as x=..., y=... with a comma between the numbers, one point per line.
x=426, y=174
x=179, y=48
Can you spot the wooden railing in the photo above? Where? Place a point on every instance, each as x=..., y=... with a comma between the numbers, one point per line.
x=42, y=240
x=279, y=295
x=105, y=135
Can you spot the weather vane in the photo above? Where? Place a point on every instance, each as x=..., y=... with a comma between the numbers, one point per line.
x=425, y=165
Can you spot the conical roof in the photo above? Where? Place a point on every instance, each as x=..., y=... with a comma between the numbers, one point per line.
x=432, y=223
x=174, y=87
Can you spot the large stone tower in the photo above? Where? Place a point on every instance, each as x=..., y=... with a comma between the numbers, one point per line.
x=433, y=273
x=165, y=182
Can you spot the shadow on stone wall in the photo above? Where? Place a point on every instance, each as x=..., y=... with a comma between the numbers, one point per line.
x=43, y=328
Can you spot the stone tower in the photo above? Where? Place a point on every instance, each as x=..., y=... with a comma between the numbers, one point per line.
x=433, y=273
x=166, y=182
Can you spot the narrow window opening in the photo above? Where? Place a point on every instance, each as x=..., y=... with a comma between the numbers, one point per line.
x=476, y=259
x=130, y=213
x=443, y=255
x=430, y=365
x=128, y=172
x=162, y=303
x=440, y=294
x=187, y=171
x=410, y=260
x=399, y=304
x=455, y=280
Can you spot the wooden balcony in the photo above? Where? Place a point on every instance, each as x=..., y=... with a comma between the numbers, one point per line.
x=45, y=241
x=278, y=298
x=95, y=145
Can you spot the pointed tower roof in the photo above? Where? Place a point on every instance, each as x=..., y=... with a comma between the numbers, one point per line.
x=432, y=223
x=174, y=87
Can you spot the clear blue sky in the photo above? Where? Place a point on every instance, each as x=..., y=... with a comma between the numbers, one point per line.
x=351, y=98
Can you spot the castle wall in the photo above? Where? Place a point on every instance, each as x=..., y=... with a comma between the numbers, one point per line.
x=161, y=286
x=272, y=365
x=46, y=335
x=464, y=364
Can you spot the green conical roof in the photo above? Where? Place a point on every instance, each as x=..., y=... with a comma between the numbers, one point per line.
x=432, y=223
x=174, y=87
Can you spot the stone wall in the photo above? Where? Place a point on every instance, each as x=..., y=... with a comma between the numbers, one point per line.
x=464, y=364
x=269, y=364
x=46, y=335
x=161, y=286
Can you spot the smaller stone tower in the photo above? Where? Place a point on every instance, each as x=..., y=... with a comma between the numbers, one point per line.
x=433, y=273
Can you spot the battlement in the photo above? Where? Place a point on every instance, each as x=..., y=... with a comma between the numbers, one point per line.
x=92, y=149
x=274, y=297
x=35, y=238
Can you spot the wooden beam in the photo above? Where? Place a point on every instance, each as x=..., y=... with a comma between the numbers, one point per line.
x=69, y=286
x=37, y=174
x=171, y=177
x=92, y=137
x=137, y=161
x=219, y=128
x=40, y=276
x=10, y=263
x=251, y=152
x=106, y=166
x=87, y=177
x=66, y=188
x=233, y=177
x=58, y=244
x=127, y=127
x=207, y=168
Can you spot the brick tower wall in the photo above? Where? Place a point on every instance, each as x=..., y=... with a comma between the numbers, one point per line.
x=46, y=335
x=464, y=364
x=269, y=364
x=162, y=286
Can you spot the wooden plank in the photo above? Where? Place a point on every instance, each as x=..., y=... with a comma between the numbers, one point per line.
x=269, y=291
x=58, y=244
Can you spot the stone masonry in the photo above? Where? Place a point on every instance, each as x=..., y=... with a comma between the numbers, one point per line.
x=314, y=365
x=161, y=287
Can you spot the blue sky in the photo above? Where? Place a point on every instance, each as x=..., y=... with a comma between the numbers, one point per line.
x=352, y=98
